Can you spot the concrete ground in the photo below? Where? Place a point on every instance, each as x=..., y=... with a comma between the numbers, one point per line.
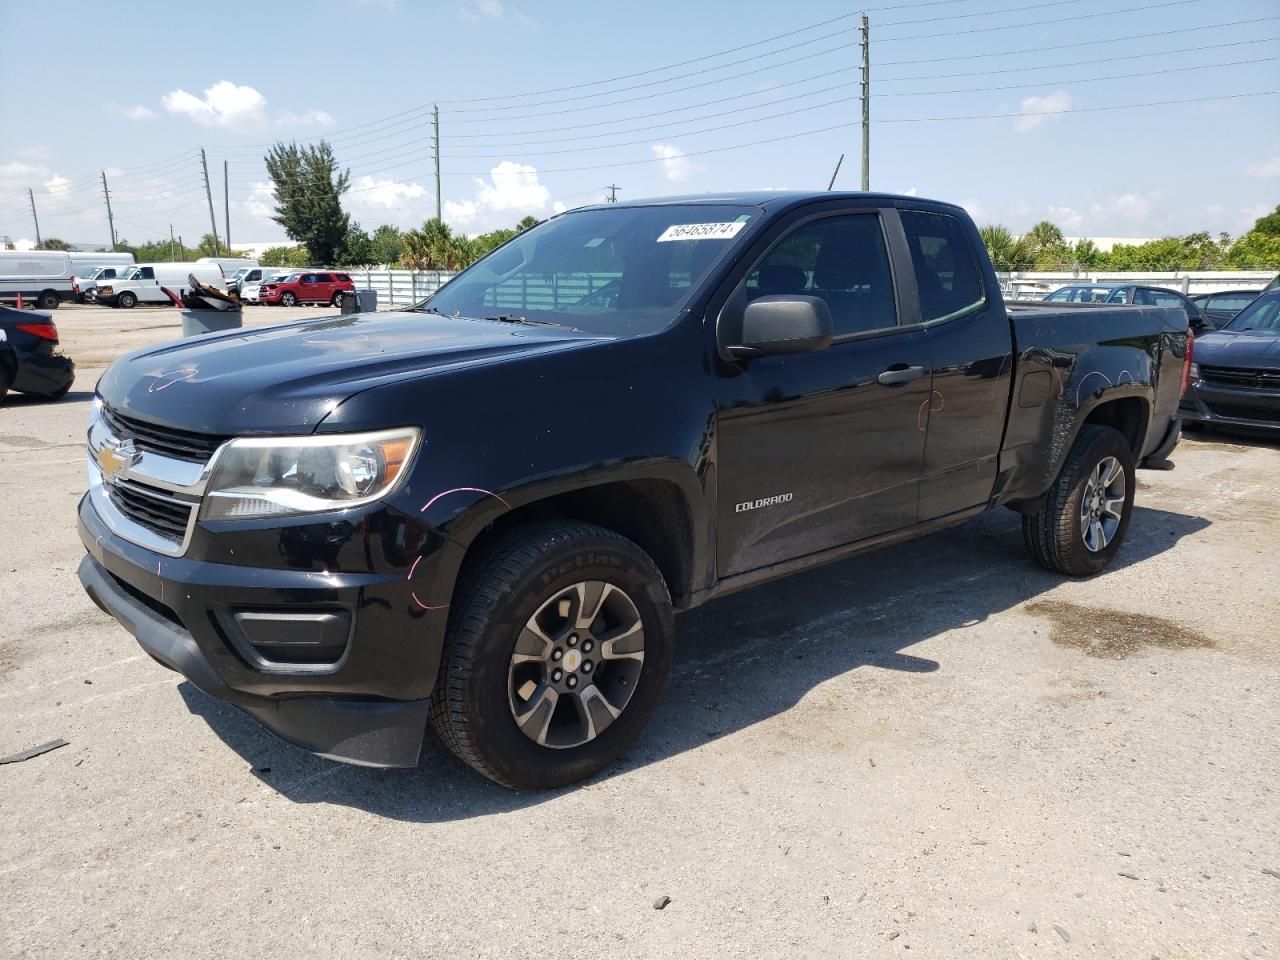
x=937, y=750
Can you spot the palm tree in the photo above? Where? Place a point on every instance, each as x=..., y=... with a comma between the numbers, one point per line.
x=435, y=247
x=1007, y=252
x=1044, y=236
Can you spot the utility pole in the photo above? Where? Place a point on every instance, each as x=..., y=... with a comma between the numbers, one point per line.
x=613, y=192
x=834, y=173
x=866, y=103
x=204, y=165
x=171, y=260
x=32, y=197
x=110, y=220
x=226, y=204
x=435, y=123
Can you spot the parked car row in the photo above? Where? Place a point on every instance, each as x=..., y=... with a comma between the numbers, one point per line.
x=1205, y=311
x=1234, y=381
x=306, y=286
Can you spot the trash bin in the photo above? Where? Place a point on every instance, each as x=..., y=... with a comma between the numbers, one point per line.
x=197, y=322
x=362, y=301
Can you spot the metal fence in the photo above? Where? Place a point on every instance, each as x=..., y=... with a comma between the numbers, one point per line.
x=397, y=288
x=1034, y=285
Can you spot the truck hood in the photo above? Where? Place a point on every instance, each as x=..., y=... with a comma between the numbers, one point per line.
x=1258, y=349
x=286, y=379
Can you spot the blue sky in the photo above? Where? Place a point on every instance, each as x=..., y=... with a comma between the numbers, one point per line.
x=533, y=119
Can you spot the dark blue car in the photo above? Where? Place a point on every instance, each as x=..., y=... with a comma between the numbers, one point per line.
x=28, y=363
x=1235, y=379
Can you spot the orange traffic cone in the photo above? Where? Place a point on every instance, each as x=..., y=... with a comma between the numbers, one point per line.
x=19, y=300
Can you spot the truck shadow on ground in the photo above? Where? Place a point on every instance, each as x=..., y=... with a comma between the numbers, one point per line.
x=32, y=400
x=741, y=660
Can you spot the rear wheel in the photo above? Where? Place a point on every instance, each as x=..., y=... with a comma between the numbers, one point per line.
x=127, y=300
x=1084, y=518
x=48, y=300
x=288, y=299
x=559, y=643
x=337, y=299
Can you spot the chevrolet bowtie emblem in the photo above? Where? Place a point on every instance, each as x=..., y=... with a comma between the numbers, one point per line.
x=113, y=460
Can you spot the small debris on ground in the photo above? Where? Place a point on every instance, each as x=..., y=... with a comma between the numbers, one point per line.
x=1129, y=876
x=895, y=935
x=34, y=751
x=661, y=902
x=1066, y=937
x=1271, y=873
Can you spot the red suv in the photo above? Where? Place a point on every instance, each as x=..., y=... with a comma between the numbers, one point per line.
x=317, y=287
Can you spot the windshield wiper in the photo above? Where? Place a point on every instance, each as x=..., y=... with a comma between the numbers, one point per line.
x=512, y=318
x=419, y=308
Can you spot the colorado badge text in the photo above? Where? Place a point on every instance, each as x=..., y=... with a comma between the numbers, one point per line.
x=765, y=502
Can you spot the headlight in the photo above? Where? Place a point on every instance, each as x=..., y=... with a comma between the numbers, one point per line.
x=285, y=476
x=1195, y=370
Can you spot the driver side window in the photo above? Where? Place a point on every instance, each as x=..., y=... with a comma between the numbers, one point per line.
x=841, y=260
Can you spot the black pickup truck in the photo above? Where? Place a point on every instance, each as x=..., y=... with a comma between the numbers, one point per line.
x=483, y=512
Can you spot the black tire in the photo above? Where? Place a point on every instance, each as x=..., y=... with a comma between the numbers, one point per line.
x=1056, y=535
x=288, y=299
x=499, y=591
x=48, y=300
x=126, y=300
x=337, y=300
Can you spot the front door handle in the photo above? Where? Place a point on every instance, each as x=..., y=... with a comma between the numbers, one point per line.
x=900, y=373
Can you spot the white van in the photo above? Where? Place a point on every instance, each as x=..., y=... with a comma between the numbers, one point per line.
x=229, y=265
x=44, y=278
x=89, y=282
x=251, y=276
x=143, y=283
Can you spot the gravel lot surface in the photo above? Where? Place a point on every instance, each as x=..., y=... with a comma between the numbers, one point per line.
x=937, y=750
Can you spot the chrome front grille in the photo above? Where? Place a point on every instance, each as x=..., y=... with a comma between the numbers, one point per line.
x=1241, y=377
x=167, y=441
x=147, y=482
x=159, y=512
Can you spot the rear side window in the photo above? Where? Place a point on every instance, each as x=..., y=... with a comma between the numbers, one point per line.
x=1231, y=303
x=343, y=278
x=843, y=260
x=948, y=277
x=324, y=278
x=147, y=273
x=1163, y=299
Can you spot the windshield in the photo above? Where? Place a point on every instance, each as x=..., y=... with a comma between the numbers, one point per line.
x=1262, y=314
x=619, y=270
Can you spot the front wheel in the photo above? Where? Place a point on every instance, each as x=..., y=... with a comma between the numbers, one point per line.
x=288, y=299
x=559, y=643
x=127, y=300
x=1083, y=520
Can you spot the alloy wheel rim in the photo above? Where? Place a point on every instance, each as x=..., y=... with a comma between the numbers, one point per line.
x=576, y=664
x=1102, y=505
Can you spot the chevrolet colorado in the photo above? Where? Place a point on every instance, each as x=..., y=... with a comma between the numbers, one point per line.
x=481, y=514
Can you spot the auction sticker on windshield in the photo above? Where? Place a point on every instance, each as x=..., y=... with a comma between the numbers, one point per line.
x=701, y=231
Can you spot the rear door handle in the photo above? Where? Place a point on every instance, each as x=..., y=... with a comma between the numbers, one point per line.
x=900, y=374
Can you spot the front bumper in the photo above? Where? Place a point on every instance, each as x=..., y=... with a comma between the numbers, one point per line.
x=1251, y=409
x=369, y=707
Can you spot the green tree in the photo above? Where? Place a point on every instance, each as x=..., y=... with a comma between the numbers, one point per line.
x=53, y=243
x=209, y=246
x=386, y=245
x=356, y=249
x=294, y=256
x=1044, y=237
x=308, y=188
x=526, y=223
x=1007, y=252
x=433, y=246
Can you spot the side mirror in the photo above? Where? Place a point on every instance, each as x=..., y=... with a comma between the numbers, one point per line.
x=779, y=324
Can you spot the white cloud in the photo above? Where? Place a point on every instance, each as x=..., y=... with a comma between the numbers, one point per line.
x=1065, y=217
x=1270, y=167
x=35, y=151
x=261, y=201
x=1037, y=110
x=371, y=192
x=675, y=166
x=475, y=9
x=224, y=104
x=911, y=192
x=308, y=118
x=57, y=185
x=975, y=210
x=512, y=191
x=136, y=112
